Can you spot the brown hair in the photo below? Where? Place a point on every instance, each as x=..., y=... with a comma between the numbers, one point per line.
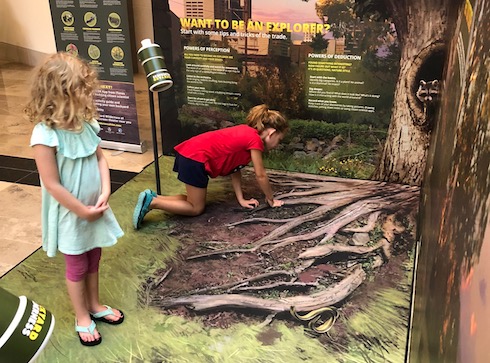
x=261, y=118
x=62, y=92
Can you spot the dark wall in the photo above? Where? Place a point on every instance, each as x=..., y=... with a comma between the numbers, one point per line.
x=451, y=316
x=166, y=34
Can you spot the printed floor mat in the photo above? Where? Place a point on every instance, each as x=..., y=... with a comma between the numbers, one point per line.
x=325, y=278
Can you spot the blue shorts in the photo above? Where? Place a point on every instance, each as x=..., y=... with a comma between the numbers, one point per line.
x=190, y=171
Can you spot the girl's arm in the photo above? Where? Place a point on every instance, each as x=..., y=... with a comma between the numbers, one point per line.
x=48, y=171
x=236, y=181
x=263, y=179
x=105, y=178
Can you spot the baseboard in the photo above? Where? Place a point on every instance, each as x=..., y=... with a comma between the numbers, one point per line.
x=134, y=148
x=14, y=53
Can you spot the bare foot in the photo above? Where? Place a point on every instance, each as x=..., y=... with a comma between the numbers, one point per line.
x=112, y=317
x=85, y=323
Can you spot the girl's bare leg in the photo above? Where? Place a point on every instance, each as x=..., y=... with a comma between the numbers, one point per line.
x=77, y=293
x=191, y=204
x=94, y=306
x=174, y=197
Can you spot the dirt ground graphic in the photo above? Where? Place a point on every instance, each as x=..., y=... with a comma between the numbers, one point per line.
x=335, y=243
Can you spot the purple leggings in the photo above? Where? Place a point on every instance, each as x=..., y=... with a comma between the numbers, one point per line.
x=78, y=266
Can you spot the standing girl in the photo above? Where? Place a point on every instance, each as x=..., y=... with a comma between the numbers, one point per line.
x=219, y=153
x=75, y=181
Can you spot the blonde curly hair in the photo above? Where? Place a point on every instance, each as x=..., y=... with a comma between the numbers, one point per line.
x=261, y=118
x=62, y=92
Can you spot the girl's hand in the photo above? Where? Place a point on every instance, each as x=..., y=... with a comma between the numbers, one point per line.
x=102, y=201
x=92, y=213
x=249, y=203
x=275, y=203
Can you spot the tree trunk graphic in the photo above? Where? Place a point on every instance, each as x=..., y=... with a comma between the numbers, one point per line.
x=422, y=31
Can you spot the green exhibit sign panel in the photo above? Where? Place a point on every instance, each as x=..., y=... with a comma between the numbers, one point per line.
x=98, y=31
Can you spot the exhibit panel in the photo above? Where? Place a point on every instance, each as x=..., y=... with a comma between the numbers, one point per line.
x=333, y=73
x=450, y=313
x=372, y=94
x=311, y=61
x=100, y=33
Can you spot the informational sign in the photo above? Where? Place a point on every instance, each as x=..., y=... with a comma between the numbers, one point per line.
x=320, y=56
x=98, y=31
x=212, y=76
x=335, y=83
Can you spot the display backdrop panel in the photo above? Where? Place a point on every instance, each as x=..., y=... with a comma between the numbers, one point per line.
x=98, y=31
x=327, y=277
x=330, y=73
x=320, y=54
x=451, y=311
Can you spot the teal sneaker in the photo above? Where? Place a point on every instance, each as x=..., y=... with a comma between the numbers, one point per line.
x=142, y=207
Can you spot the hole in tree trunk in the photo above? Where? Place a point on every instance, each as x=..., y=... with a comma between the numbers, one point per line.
x=426, y=85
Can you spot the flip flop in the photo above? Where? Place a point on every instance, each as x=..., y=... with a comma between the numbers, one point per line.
x=101, y=316
x=87, y=329
x=142, y=207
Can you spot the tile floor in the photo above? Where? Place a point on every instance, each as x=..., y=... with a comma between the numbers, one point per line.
x=20, y=197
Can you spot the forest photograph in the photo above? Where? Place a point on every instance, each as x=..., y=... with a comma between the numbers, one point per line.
x=338, y=259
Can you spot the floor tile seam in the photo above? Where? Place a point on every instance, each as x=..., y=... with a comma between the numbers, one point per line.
x=17, y=257
x=19, y=169
x=22, y=216
x=35, y=170
x=17, y=263
x=124, y=173
x=25, y=158
x=122, y=182
x=31, y=172
x=16, y=157
x=20, y=243
x=28, y=175
x=38, y=184
x=19, y=182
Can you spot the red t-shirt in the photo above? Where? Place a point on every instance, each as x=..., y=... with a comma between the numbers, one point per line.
x=224, y=151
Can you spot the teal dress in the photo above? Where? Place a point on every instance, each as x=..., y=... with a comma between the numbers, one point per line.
x=79, y=173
